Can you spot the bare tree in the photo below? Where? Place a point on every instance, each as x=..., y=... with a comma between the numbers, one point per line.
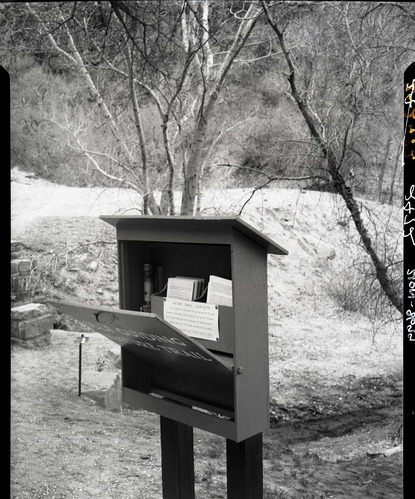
x=334, y=143
x=190, y=117
x=130, y=171
x=157, y=60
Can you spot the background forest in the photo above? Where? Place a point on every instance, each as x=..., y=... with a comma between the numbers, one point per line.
x=152, y=94
x=167, y=96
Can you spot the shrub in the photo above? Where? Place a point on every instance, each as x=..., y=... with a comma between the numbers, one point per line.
x=347, y=291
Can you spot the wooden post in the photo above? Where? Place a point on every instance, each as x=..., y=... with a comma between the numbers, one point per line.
x=244, y=468
x=177, y=459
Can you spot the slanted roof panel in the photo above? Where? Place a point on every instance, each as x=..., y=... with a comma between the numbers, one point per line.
x=197, y=223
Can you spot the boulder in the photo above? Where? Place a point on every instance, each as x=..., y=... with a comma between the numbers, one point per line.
x=31, y=325
x=326, y=252
x=20, y=266
x=104, y=388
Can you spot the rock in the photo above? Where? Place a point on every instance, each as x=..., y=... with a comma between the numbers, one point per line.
x=31, y=325
x=93, y=265
x=20, y=285
x=43, y=340
x=20, y=277
x=331, y=255
x=29, y=311
x=15, y=245
x=326, y=252
x=31, y=328
x=106, y=389
x=385, y=452
x=20, y=266
x=343, y=222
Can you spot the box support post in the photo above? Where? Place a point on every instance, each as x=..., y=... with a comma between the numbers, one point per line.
x=177, y=459
x=244, y=468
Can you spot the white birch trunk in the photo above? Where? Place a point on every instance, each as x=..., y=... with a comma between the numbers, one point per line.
x=194, y=162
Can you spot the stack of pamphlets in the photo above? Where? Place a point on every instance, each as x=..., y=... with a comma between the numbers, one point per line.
x=219, y=291
x=185, y=288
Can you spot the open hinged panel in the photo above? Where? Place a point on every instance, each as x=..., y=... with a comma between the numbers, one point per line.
x=159, y=361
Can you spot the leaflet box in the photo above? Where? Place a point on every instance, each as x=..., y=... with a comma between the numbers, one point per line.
x=218, y=382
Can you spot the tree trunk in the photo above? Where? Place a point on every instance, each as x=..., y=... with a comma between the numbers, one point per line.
x=383, y=168
x=192, y=168
x=168, y=191
x=395, y=171
x=381, y=271
x=140, y=130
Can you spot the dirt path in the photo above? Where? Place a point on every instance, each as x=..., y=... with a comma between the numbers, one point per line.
x=33, y=198
x=65, y=446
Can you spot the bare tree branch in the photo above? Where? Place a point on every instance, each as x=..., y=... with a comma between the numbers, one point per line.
x=332, y=167
x=271, y=178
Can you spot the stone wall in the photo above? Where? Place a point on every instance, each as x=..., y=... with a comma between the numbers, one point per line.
x=31, y=325
x=20, y=270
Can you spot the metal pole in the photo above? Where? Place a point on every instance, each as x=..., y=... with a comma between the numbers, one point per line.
x=80, y=366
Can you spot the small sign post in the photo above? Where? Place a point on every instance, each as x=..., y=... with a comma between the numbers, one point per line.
x=81, y=340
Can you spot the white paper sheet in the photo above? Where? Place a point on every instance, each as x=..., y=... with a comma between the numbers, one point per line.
x=198, y=320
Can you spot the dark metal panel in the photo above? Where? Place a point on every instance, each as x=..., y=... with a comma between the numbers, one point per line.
x=130, y=271
x=122, y=275
x=212, y=395
x=219, y=426
x=134, y=275
x=152, y=339
x=224, y=246
x=271, y=246
x=188, y=229
x=193, y=403
x=185, y=234
x=136, y=375
x=251, y=336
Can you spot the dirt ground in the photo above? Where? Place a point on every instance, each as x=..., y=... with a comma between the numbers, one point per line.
x=335, y=379
x=66, y=446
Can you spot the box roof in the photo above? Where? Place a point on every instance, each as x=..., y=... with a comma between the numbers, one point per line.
x=197, y=223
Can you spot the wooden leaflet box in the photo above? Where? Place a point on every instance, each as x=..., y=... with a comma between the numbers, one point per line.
x=221, y=385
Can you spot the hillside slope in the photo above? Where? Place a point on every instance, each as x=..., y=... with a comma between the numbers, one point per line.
x=314, y=227
x=58, y=224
